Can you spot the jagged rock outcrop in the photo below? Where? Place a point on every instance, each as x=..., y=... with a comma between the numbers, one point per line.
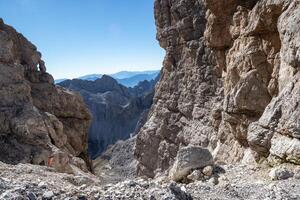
x=39, y=122
x=229, y=82
x=118, y=111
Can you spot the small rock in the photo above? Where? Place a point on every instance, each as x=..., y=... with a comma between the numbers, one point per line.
x=132, y=183
x=297, y=172
x=82, y=187
x=280, y=173
x=48, y=195
x=42, y=185
x=213, y=180
x=6, y=179
x=82, y=197
x=223, y=180
x=179, y=193
x=196, y=175
x=208, y=171
x=31, y=196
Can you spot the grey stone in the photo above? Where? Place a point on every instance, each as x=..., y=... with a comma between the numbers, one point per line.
x=196, y=175
x=48, y=195
x=280, y=173
x=188, y=159
x=31, y=196
x=208, y=171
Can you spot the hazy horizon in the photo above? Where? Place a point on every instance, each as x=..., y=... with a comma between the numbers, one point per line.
x=94, y=37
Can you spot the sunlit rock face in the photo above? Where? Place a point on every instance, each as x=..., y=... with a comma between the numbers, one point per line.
x=39, y=122
x=229, y=83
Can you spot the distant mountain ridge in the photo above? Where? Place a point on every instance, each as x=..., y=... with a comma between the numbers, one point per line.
x=134, y=80
x=126, y=78
x=118, y=111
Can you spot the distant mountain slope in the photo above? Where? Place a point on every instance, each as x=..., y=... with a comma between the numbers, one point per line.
x=117, y=111
x=59, y=80
x=129, y=74
x=90, y=77
x=134, y=80
x=126, y=78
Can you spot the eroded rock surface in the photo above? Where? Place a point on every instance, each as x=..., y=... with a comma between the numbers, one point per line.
x=39, y=122
x=230, y=82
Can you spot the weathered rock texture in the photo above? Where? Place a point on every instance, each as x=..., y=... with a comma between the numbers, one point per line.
x=39, y=122
x=117, y=111
x=230, y=82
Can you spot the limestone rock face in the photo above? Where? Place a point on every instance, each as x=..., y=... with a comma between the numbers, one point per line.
x=277, y=131
x=229, y=83
x=38, y=121
x=190, y=86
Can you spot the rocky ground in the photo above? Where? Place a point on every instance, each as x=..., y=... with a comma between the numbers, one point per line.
x=25, y=181
x=117, y=163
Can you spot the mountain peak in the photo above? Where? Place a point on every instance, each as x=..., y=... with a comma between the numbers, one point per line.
x=107, y=78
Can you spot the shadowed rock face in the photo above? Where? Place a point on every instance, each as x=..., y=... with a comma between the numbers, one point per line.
x=229, y=82
x=38, y=120
x=117, y=111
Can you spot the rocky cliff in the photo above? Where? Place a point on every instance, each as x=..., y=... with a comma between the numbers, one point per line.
x=230, y=82
x=117, y=111
x=39, y=123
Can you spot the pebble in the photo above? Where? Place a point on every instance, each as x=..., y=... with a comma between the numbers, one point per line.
x=6, y=179
x=82, y=197
x=297, y=172
x=195, y=175
x=48, y=195
x=42, y=185
x=213, y=181
x=31, y=196
x=208, y=171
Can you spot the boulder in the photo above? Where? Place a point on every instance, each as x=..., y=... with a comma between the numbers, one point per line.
x=280, y=173
x=190, y=158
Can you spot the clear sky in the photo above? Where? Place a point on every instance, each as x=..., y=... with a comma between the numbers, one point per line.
x=79, y=37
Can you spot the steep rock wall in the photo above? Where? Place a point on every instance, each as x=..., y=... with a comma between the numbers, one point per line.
x=39, y=122
x=229, y=82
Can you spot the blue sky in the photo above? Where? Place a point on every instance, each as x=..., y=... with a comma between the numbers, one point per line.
x=78, y=37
